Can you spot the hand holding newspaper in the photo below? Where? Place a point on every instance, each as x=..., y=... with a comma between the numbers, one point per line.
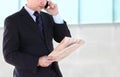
x=66, y=47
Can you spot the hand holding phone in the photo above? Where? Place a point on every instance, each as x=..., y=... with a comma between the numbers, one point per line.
x=51, y=8
x=46, y=6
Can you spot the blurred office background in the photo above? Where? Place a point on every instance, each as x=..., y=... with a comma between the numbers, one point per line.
x=95, y=21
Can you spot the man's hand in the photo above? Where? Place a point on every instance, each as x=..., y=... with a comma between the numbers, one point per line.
x=52, y=9
x=45, y=61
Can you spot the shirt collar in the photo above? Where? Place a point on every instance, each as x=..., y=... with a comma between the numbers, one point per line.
x=30, y=11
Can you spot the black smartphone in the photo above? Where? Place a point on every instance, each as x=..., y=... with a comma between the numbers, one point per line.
x=46, y=6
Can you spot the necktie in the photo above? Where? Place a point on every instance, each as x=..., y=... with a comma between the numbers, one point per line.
x=38, y=20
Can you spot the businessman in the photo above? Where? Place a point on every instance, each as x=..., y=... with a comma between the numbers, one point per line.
x=28, y=36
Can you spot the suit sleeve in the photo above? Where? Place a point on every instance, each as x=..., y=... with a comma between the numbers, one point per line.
x=11, y=48
x=60, y=31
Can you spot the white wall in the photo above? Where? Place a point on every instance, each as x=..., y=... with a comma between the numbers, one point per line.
x=99, y=57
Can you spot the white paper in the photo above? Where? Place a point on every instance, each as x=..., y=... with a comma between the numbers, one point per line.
x=66, y=47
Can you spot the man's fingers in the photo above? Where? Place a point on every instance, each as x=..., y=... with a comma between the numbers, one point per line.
x=51, y=58
x=51, y=4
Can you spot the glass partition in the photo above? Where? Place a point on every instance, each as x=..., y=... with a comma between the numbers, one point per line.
x=74, y=12
x=95, y=11
x=7, y=7
x=117, y=11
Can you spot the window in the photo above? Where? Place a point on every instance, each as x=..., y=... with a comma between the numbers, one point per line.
x=74, y=12
x=95, y=11
x=117, y=11
x=68, y=10
x=7, y=7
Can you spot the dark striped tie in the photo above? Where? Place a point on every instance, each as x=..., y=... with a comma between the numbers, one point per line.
x=39, y=22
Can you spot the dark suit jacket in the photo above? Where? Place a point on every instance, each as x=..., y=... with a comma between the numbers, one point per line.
x=23, y=44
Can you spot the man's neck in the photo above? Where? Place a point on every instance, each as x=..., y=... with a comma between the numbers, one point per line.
x=32, y=8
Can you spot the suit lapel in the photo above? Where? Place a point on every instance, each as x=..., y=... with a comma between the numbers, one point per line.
x=46, y=30
x=44, y=25
x=28, y=20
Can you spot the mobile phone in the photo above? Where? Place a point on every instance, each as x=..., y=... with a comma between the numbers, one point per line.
x=46, y=6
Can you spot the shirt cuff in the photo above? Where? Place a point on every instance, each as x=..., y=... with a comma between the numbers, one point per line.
x=58, y=19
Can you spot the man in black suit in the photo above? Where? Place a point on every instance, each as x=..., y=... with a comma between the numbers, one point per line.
x=26, y=45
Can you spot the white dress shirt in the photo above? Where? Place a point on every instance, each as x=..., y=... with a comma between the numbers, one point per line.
x=57, y=18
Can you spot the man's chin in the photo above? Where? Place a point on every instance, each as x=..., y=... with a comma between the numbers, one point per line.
x=42, y=7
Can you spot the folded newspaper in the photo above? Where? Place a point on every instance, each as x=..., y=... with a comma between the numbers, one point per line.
x=66, y=47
